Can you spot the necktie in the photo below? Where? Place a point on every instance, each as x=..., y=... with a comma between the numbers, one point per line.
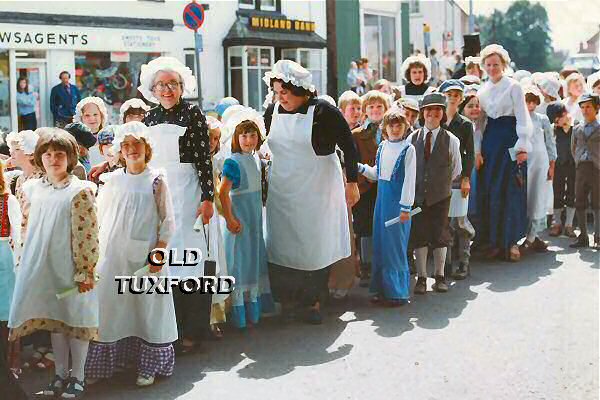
x=428, y=146
x=68, y=88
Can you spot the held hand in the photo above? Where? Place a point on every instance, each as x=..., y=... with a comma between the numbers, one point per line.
x=465, y=188
x=154, y=268
x=234, y=226
x=521, y=157
x=98, y=170
x=206, y=210
x=551, y=173
x=478, y=161
x=404, y=217
x=352, y=194
x=86, y=286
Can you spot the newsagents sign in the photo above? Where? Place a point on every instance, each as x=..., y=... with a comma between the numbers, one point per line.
x=81, y=38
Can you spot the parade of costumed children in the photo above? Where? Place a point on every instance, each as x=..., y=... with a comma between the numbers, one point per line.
x=471, y=160
x=58, y=255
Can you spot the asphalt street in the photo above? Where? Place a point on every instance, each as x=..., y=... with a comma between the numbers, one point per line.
x=511, y=331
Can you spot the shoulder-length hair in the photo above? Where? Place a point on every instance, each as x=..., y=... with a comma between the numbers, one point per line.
x=56, y=139
x=241, y=128
x=19, y=85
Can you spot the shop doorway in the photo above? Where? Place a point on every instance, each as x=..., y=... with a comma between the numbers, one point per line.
x=35, y=72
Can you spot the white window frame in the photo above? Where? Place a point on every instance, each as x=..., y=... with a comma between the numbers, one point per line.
x=322, y=69
x=268, y=8
x=245, y=67
x=397, y=27
x=247, y=6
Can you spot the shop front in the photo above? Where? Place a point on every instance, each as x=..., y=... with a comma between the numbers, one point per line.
x=256, y=41
x=102, y=61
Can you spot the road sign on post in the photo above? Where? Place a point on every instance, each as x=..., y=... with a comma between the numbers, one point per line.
x=193, y=18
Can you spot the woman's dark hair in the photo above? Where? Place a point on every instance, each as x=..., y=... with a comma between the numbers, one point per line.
x=464, y=103
x=296, y=90
x=416, y=64
x=22, y=78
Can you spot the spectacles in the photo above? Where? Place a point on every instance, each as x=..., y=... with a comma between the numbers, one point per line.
x=170, y=85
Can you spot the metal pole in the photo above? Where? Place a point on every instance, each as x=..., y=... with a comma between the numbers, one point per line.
x=471, y=18
x=198, y=49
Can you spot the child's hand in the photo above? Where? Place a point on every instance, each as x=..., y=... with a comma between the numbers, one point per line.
x=154, y=268
x=478, y=161
x=465, y=187
x=404, y=216
x=234, y=226
x=86, y=286
x=551, y=172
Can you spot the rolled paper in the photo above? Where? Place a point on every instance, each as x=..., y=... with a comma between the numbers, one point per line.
x=397, y=219
x=198, y=224
x=67, y=293
x=142, y=271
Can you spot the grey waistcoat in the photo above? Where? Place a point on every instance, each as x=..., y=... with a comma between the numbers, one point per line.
x=434, y=177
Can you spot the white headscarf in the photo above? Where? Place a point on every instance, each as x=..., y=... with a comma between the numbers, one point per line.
x=168, y=64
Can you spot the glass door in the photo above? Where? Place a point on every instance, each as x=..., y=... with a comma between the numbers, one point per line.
x=35, y=72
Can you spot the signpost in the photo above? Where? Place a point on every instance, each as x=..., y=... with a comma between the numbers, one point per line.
x=193, y=18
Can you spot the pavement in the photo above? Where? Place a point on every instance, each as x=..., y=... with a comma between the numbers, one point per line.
x=519, y=331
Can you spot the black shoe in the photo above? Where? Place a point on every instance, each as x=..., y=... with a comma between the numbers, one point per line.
x=56, y=387
x=440, y=284
x=582, y=242
x=421, y=286
x=313, y=317
x=461, y=273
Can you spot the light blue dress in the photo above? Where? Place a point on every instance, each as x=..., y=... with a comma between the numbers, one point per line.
x=10, y=223
x=246, y=252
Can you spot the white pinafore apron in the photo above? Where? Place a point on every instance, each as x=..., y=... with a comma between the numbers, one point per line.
x=129, y=213
x=307, y=219
x=537, y=173
x=47, y=261
x=186, y=194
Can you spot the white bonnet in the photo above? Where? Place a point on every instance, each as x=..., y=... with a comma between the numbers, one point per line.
x=268, y=98
x=592, y=79
x=328, y=99
x=132, y=103
x=134, y=128
x=575, y=77
x=25, y=140
x=171, y=64
x=213, y=123
x=549, y=85
x=419, y=58
x=521, y=74
x=349, y=96
x=91, y=100
x=532, y=89
x=473, y=60
x=290, y=72
x=470, y=80
x=245, y=114
x=495, y=49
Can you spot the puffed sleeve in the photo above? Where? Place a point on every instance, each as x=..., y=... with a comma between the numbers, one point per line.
x=407, y=198
x=549, y=138
x=84, y=234
x=164, y=204
x=524, y=124
x=231, y=171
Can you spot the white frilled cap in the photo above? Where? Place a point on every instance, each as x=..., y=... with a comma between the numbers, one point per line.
x=575, y=77
x=328, y=99
x=24, y=140
x=473, y=60
x=592, y=79
x=470, y=80
x=132, y=103
x=170, y=64
x=536, y=77
x=245, y=114
x=290, y=72
x=421, y=59
x=213, y=123
x=91, y=100
x=532, y=89
x=521, y=74
x=495, y=49
x=549, y=85
x=134, y=128
x=348, y=96
x=268, y=98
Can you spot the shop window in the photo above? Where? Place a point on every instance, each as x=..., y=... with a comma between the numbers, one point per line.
x=311, y=59
x=5, y=123
x=114, y=77
x=247, y=65
x=380, y=40
x=268, y=5
x=247, y=4
x=414, y=6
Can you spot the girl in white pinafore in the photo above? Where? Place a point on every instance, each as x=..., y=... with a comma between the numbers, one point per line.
x=60, y=253
x=136, y=215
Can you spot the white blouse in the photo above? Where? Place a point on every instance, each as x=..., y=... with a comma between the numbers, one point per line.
x=389, y=155
x=505, y=98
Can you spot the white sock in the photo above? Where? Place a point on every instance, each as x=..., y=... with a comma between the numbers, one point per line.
x=421, y=261
x=556, y=219
x=439, y=259
x=60, y=347
x=570, y=216
x=79, y=350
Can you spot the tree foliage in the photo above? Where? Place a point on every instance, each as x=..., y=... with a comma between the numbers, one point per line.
x=524, y=31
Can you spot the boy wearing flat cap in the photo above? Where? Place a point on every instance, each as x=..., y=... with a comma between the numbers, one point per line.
x=585, y=146
x=438, y=165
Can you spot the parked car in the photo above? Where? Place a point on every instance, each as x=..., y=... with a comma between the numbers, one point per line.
x=586, y=63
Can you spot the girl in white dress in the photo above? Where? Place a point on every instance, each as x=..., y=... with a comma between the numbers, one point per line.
x=136, y=216
x=60, y=254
